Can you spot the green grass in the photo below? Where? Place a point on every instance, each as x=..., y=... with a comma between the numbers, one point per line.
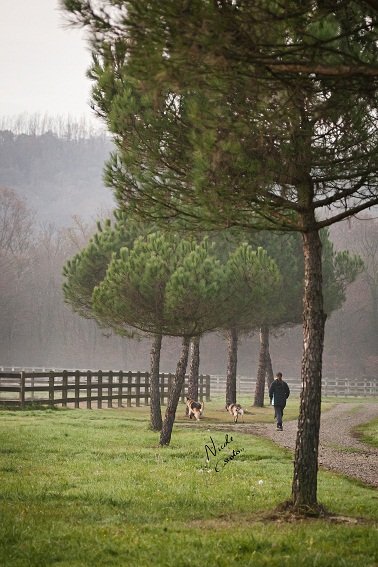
x=368, y=432
x=215, y=410
x=92, y=488
x=343, y=449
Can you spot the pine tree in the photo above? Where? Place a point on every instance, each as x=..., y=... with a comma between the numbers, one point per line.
x=164, y=285
x=88, y=268
x=252, y=282
x=132, y=294
x=256, y=114
x=340, y=269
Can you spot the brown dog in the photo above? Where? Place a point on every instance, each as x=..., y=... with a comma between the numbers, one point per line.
x=235, y=410
x=195, y=408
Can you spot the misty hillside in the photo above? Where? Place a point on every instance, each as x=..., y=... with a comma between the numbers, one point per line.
x=57, y=177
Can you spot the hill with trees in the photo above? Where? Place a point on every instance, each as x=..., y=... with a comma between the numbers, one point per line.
x=58, y=172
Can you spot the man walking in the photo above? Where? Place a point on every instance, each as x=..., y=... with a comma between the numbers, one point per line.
x=278, y=393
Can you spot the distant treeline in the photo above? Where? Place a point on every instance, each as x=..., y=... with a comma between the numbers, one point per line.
x=55, y=166
x=65, y=127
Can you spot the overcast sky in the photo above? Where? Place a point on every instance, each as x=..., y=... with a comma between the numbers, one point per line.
x=42, y=63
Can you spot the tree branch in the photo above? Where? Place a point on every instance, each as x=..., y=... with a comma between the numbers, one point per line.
x=324, y=70
x=347, y=213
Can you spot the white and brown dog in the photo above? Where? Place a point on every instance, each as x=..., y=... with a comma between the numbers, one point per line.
x=235, y=410
x=195, y=408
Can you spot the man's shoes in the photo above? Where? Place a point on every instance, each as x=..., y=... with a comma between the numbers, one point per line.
x=279, y=428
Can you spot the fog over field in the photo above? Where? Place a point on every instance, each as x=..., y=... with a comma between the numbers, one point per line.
x=54, y=178
x=52, y=151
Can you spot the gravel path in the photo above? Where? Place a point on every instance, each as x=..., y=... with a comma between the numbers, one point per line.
x=339, y=449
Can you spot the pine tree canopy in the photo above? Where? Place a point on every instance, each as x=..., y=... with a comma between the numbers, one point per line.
x=255, y=284
x=253, y=281
x=87, y=268
x=277, y=275
x=163, y=285
x=257, y=114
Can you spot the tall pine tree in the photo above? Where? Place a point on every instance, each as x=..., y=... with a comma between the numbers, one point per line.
x=256, y=114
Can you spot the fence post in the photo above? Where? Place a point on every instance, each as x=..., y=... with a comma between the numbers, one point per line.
x=110, y=389
x=99, y=390
x=89, y=389
x=64, y=388
x=200, y=387
x=120, y=387
x=129, y=382
x=137, y=380
x=170, y=380
x=22, y=389
x=51, y=388
x=77, y=388
x=162, y=386
x=147, y=389
x=207, y=389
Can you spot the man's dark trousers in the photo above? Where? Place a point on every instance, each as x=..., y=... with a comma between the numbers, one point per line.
x=279, y=414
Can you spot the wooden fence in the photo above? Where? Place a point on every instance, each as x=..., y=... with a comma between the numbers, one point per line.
x=117, y=388
x=87, y=388
x=358, y=387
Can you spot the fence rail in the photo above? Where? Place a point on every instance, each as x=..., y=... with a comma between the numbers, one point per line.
x=358, y=387
x=117, y=388
x=88, y=388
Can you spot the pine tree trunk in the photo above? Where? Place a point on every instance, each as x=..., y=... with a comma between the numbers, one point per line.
x=174, y=395
x=261, y=371
x=194, y=368
x=304, y=488
x=156, y=421
x=232, y=362
x=269, y=369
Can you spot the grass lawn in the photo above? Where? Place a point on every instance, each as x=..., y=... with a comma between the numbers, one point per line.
x=92, y=488
x=368, y=433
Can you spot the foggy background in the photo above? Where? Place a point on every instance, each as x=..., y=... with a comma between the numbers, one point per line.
x=52, y=151
x=51, y=196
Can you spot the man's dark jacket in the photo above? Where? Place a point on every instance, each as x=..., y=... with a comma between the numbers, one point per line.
x=279, y=391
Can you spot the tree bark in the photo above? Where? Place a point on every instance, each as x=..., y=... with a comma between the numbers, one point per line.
x=232, y=362
x=304, y=487
x=174, y=394
x=194, y=368
x=269, y=369
x=156, y=421
x=261, y=371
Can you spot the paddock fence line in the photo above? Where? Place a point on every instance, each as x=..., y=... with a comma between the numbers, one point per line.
x=341, y=387
x=118, y=388
x=87, y=388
